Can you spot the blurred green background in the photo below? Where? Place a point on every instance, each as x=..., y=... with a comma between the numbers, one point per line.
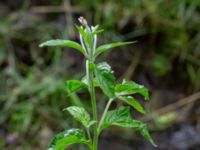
x=166, y=59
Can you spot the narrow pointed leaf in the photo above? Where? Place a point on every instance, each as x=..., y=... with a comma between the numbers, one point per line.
x=95, y=28
x=80, y=114
x=133, y=102
x=74, y=85
x=97, y=31
x=121, y=117
x=144, y=131
x=105, y=78
x=63, y=43
x=106, y=47
x=130, y=87
x=67, y=138
x=85, y=35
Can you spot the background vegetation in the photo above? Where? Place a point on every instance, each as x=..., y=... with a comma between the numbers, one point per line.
x=166, y=59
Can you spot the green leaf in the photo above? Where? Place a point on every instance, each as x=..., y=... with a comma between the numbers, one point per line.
x=85, y=35
x=130, y=87
x=133, y=102
x=97, y=31
x=94, y=28
x=105, y=78
x=106, y=47
x=67, y=138
x=63, y=43
x=74, y=85
x=80, y=114
x=116, y=117
x=121, y=117
x=144, y=131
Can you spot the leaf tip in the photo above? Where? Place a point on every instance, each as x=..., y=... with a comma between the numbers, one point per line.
x=131, y=42
x=41, y=45
x=143, y=112
x=154, y=144
x=64, y=109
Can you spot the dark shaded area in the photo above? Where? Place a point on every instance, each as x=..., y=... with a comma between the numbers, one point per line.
x=166, y=59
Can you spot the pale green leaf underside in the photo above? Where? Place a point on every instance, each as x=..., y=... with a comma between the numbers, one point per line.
x=63, y=43
x=121, y=117
x=106, y=47
x=133, y=102
x=85, y=35
x=66, y=138
x=74, y=85
x=80, y=114
x=130, y=87
x=85, y=80
x=105, y=78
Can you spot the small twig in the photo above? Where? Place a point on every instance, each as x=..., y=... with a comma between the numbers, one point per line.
x=190, y=99
x=69, y=18
x=55, y=9
x=131, y=69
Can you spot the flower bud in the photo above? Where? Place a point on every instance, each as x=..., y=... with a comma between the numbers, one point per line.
x=82, y=20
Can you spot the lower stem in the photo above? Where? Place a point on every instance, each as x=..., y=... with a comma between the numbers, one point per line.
x=90, y=75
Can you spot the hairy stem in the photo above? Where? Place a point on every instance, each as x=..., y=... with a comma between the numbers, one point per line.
x=90, y=78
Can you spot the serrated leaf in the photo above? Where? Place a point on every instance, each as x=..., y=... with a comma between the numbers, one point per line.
x=130, y=87
x=133, y=102
x=80, y=114
x=105, y=78
x=121, y=117
x=116, y=117
x=106, y=47
x=63, y=43
x=74, y=85
x=66, y=138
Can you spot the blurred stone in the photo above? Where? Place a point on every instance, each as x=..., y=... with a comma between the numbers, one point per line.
x=45, y=134
x=11, y=138
x=185, y=138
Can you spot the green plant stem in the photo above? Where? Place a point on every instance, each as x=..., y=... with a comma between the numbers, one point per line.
x=88, y=133
x=104, y=114
x=90, y=76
